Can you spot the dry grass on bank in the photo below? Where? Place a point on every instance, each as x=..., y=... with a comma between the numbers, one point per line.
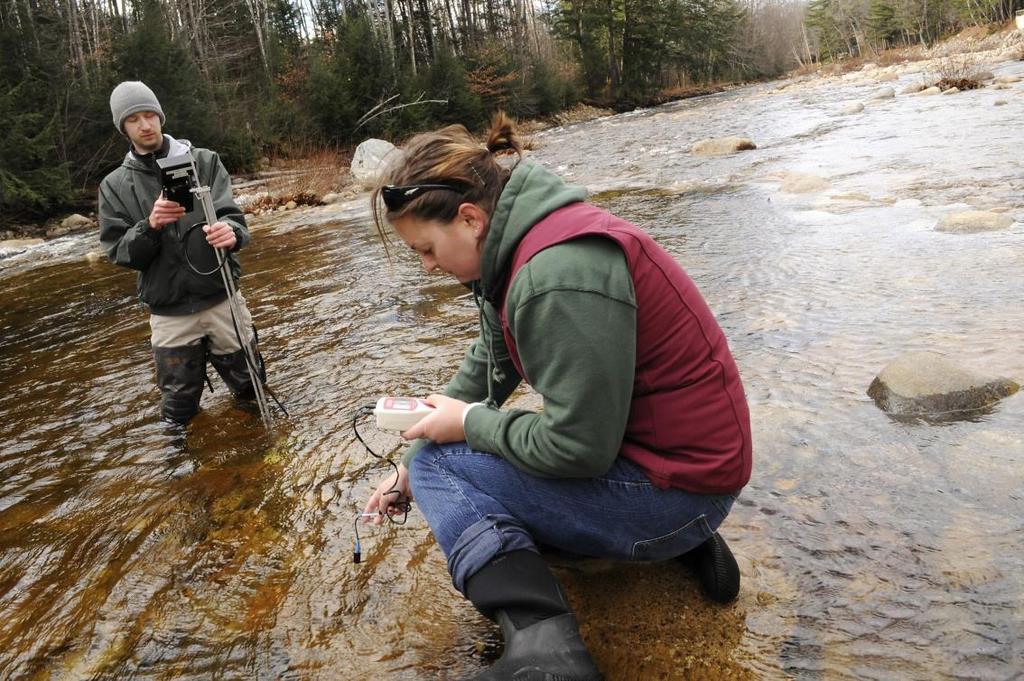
x=302, y=177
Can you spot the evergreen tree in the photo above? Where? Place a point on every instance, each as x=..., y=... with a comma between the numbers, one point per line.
x=33, y=181
x=883, y=28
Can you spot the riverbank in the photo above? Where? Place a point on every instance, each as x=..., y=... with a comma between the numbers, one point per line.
x=321, y=177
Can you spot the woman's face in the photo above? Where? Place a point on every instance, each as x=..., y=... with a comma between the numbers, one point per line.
x=452, y=247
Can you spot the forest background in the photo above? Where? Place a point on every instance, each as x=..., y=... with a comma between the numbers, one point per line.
x=290, y=78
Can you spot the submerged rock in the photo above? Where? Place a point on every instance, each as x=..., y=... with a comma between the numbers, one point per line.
x=923, y=384
x=855, y=107
x=722, y=145
x=883, y=93
x=799, y=183
x=970, y=221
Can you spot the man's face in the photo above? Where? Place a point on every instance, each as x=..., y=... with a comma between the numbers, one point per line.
x=143, y=129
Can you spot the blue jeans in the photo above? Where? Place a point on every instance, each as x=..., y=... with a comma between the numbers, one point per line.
x=479, y=506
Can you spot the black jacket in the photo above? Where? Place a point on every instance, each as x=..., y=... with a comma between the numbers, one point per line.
x=166, y=283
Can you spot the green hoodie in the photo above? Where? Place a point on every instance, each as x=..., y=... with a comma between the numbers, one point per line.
x=572, y=311
x=165, y=282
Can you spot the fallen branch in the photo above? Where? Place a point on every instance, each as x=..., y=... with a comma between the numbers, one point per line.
x=400, y=106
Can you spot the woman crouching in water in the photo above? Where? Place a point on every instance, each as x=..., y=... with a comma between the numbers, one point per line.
x=644, y=440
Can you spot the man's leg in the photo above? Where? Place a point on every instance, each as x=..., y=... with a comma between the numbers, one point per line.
x=180, y=356
x=226, y=353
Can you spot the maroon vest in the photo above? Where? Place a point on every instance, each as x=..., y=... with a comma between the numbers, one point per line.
x=689, y=426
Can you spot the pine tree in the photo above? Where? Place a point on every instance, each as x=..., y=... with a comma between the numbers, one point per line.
x=33, y=180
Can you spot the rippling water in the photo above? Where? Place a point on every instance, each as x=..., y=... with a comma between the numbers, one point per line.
x=870, y=548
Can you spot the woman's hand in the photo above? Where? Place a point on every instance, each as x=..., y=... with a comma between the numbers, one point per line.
x=383, y=504
x=443, y=425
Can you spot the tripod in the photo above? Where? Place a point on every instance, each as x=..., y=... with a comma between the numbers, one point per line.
x=251, y=356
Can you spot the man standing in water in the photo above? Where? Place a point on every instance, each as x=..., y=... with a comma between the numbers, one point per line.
x=190, y=315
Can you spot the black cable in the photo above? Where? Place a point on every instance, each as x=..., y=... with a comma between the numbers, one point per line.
x=403, y=506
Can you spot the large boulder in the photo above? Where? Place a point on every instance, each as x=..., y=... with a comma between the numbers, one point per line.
x=883, y=93
x=369, y=160
x=721, y=145
x=923, y=384
x=970, y=221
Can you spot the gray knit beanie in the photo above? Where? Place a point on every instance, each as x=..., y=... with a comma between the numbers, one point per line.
x=132, y=96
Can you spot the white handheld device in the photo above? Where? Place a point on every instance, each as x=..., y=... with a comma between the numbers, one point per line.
x=400, y=413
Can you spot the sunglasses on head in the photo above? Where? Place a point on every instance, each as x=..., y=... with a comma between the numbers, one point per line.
x=397, y=197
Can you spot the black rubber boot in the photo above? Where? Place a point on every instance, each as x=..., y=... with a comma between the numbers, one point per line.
x=180, y=372
x=542, y=639
x=716, y=569
x=235, y=372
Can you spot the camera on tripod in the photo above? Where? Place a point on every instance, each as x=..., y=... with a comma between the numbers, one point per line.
x=178, y=176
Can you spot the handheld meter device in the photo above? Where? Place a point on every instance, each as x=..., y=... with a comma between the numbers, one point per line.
x=400, y=413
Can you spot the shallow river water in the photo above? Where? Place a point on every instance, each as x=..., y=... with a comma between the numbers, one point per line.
x=870, y=548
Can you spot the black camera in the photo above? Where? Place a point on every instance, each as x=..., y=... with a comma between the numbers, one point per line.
x=177, y=177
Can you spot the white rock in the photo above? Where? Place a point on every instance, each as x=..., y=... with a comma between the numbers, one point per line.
x=330, y=198
x=1005, y=80
x=913, y=88
x=75, y=221
x=721, y=145
x=886, y=77
x=928, y=91
x=291, y=205
x=12, y=246
x=1001, y=102
x=369, y=160
x=970, y=221
x=951, y=91
x=883, y=93
x=855, y=107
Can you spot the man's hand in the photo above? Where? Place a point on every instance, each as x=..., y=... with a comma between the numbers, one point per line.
x=443, y=425
x=165, y=212
x=220, y=235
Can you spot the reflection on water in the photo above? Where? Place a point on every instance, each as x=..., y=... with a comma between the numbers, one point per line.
x=870, y=548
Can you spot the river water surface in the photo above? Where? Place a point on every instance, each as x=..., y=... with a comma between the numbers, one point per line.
x=870, y=548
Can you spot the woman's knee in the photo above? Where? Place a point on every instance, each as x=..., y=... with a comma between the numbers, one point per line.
x=427, y=465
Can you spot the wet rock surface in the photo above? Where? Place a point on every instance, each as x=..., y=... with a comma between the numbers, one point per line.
x=927, y=385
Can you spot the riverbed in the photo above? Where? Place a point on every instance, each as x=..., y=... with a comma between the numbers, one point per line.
x=871, y=548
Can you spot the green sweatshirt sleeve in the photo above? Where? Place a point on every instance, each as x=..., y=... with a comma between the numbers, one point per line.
x=572, y=311
x=470, y=382
x=127, y=242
